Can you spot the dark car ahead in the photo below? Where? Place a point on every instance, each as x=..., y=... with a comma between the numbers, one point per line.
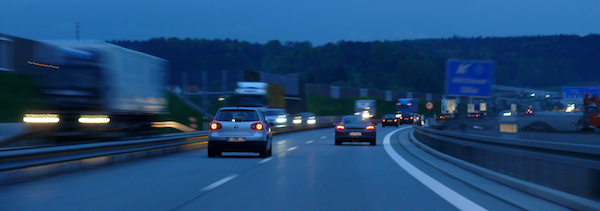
x=405, y=118
x=239, y=129
x=355, y=129
x=389, y=119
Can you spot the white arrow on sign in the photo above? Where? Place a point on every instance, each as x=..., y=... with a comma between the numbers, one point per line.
x=462, y=68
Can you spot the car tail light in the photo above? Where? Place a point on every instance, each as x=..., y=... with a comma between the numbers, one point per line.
x=395, y=120
x=339, y=127
x=370, y=127
x=382, y=120
x=411, y=117
x=257, y=126
x=216, y=126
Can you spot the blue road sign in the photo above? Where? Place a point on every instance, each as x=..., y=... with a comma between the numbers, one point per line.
x=577, y=92
x=469, y=78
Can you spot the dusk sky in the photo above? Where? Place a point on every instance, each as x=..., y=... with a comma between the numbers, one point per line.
x=317, y=21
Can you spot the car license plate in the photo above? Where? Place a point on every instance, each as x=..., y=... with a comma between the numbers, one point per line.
x=389, y=120
x=355, y=134
x=236, y=139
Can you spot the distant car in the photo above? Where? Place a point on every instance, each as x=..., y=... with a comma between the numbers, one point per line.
x=355, y=129
x=389, y=119
x=240, y=129
x=506, y=113
x=405, y=118
x=276, y=116
x=305, y=117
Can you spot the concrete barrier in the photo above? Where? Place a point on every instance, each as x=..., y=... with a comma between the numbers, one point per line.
x=572, y=168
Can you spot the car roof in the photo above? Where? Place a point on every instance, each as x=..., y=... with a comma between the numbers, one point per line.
x=239, y=108
x=273, y=109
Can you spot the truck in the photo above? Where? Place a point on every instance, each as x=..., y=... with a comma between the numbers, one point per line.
x=269, y=97
x=476, y=109
x=88, y=87
x=365, y=108
x=260, y=94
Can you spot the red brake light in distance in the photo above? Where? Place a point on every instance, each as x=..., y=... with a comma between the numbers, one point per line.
x=257, y=126
x=339, y=127
x=215, y=126
x=395, y=120
x=382, y=120
x=370, y=127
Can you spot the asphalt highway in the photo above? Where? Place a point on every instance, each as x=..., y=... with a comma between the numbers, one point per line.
x=306, y=172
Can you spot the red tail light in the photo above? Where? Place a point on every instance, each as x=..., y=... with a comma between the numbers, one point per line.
x=395, y=120
x=411, y=117
x=339, y=127
x=370, y=127
x=216, y=126
x=257, y=126
x=382, y=120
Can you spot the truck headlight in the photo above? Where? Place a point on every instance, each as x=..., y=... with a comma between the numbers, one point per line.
x=41, y=118
x=94, y=119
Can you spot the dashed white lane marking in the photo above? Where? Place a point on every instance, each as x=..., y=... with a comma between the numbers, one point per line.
x=218, y=183
x=265, y=160
x=440, y=189
x=290, y=149
x=323, y=137
x=308, y=142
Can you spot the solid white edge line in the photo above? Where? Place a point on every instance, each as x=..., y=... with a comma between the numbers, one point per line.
x=265, y=160
x=290, y=149
x=219, y=183
x=440, y=189
x=323, y=137
x=308, y=142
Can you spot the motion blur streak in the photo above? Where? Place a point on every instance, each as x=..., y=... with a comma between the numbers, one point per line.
x=173, y=124
x=446, y=193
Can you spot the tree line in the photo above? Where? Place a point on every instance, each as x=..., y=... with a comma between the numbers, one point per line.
x=406, y=65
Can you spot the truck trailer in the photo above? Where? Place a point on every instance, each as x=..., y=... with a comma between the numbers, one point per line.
x=89, y=87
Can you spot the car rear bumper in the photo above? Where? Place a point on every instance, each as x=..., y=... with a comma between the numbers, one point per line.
x=389, y=123
x=247, y=146
x=406, y=121
x=345, y=136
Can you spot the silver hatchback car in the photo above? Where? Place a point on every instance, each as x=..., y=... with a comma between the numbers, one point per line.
x=240, y=129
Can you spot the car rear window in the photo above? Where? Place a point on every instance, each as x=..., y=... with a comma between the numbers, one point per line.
x=274, y=112
x=354, y=119
x=238, y=115
x=388, y=116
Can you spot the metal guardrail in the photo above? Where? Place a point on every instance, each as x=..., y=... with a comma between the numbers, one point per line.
x=24, y=164
x=572, y=168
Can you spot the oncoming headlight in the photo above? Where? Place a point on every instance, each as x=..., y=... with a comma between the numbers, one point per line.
x=366, y=115
x=281, y=120
x=311, y=121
